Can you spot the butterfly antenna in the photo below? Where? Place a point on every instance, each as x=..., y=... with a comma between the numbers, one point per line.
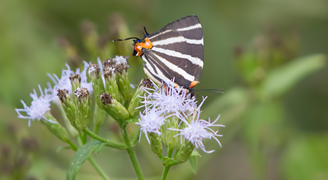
x=126, y=39
x=146, y=31
x=212, y=90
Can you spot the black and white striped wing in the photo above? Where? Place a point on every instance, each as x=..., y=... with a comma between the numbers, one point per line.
x=177, y=52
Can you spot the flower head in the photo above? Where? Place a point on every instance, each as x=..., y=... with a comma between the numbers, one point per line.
x=151, y=122
x=198, y=129
x=39, y=106
x=120, y=60
x=65, y=83
x=169, y=99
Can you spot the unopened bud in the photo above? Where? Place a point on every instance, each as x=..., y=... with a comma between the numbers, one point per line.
x=110, y=81
x=114, y=108
x=75, y=81
x=169, y=137
x=83, y=112
x=63, y=95
x=68, y=105
x=185, y=152
x=93, y=71
x=136, y=100
x=155, y=142
x=97, y=82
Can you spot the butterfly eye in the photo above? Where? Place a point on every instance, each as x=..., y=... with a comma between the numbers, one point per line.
x=138, y=40
x=134, y=53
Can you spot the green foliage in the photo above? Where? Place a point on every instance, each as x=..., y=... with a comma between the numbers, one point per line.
x=193, y=161
x=81, y=156
x=283, y=78
x=306, y=158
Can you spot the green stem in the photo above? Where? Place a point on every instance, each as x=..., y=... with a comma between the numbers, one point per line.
x=84, y=138
x=95, y=129
x=169, y=154
x=97, y=167
x=135, y=139
x=131, y=153
x=106, y=141
x=79, y=141
x=73, y=146
x=160, y=155
x=165, y=172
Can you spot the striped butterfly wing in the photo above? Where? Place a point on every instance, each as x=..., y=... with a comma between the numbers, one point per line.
x=177, y=52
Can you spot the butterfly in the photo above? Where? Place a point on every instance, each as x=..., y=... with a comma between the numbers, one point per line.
x=175, y=52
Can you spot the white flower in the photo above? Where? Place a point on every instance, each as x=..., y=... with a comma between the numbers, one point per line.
x=120, y=60
x=100, y=64
x=65, y=83
x=83, y=74
x=39, y=106
x=198, y=129
x=169, y=99
x=151, y=122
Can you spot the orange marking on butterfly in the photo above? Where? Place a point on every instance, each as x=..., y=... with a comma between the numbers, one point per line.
x=192, y=84
x=146, y=44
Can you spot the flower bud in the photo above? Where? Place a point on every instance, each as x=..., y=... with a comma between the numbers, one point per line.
x=97, y=83
x=83, y=112
x=114, y=108
x=155, y=142
x=185, y=151
x=169, y=137
x=136, y=100
x=75, y=81
x=68, y=105
x=57, y=129
x=110, y=81
x=123, y=82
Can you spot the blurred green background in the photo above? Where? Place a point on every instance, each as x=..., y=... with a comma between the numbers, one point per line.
x=268, y=55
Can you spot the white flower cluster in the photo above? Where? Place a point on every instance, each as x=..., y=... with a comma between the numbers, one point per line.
x=167, y=100
x=65, y=83
x=40, y=105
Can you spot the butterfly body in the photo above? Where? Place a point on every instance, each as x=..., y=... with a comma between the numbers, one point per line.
x=175, y=52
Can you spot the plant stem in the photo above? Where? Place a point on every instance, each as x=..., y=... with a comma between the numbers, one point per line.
x=131, y=153
x=169, y=154
x=97, y=167
x=165, y=172
x=106, y=141
x=84, y=138
x=95, y=129
x=73, y=146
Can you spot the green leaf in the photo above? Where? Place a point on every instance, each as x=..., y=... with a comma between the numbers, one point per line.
x=99, y=148
x=195, y=153
x=80, y=156
x=63, y=147
x=193, y=163
x=281, y=79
